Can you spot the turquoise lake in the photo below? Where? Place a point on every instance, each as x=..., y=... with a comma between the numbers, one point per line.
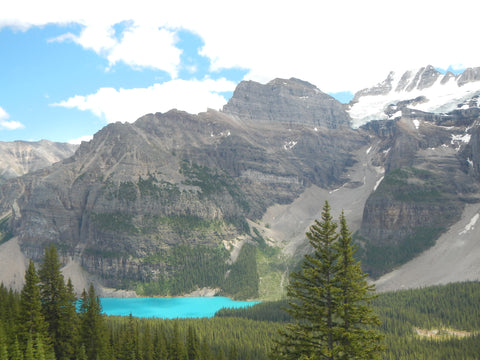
x=170, y=308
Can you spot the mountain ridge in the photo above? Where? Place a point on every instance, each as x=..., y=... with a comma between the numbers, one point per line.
x=425, y=89
x=122, y=204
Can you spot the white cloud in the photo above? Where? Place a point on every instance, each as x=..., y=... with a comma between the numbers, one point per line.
x=147, y=46
x=127, y=105
x=336, y=45
x=6, y=124
x=79, y=140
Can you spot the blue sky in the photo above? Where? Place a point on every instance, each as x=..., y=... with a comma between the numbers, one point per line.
x=69, y=68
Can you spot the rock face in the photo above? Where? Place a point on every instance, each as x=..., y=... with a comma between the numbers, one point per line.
x=20, y=157
x=137, y=191
x=137, y=203
x=286, y=101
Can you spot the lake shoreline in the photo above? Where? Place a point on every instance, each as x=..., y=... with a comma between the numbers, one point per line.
x=170, y=307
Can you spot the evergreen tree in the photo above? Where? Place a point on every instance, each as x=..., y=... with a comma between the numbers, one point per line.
x=329, y=301
x=93, y=334
x=15, y=352
x=81, y=355
x=177, y=350
x=58, y=305
x=147, y=344
x=39, y=349
x=160, y=345
x=193, y=344
x=206, y=351
x=3, y=344
x=31, y=321
x=29, y=354
x=359, y=338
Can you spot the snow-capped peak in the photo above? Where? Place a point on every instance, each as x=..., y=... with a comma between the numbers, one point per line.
x=424, y=89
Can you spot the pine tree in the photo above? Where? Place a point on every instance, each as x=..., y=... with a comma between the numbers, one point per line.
x=177, y=350
x=329, y=301
x=15, y=352
x=359, y=338
x=30, y=319
x=58, y=305
x=160, y=344
x=3, y=344
x=81, y=355
x=93, y=334
x=193, y=344
x=206, y=352
x=29, y=353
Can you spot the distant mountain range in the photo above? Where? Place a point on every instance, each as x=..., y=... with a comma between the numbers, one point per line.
x=143, y=205
x=20, y=157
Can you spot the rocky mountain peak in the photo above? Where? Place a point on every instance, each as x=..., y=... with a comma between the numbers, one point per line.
x=289, y=101
x=468, y=76
x=425, y=89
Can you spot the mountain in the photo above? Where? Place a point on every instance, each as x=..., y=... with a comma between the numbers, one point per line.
x=20, y=157
x=176, y=202
x=424, y=89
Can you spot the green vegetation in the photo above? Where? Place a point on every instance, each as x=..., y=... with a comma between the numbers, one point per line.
x=119, y=222
x=210, y=183
x=330, y=301
x=184, y=225
x=451, y=309
x=240, y=334
x=128, y=191
x=411, y=184
x=204, y=266
x=415, y=188
x=193, y=266
x=162, y=191
x=242, y=279
x=5, y=232
x=378, y=260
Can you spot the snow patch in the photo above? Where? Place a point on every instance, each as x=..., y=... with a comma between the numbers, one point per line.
x=440, y=98
x=289, y=145
x=470, y=225
x=368, y=150
x=378, y=183
x=396, y=115
x=460, y=138
x=416, y=123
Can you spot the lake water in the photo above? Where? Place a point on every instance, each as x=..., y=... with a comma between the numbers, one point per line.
x=170, y=308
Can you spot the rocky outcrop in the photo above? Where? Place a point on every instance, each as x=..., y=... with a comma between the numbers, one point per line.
x=286, y=101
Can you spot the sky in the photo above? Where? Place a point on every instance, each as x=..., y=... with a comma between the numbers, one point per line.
x=68, y=67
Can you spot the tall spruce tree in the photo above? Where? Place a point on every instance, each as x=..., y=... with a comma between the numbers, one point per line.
x=360, y=340
x=93, y=332
x=58, y=305
x=193, y=344
x=329, y=301
x=31, y=322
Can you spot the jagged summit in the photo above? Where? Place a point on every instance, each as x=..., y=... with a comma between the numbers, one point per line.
x=287, y=101
x=425, y=89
